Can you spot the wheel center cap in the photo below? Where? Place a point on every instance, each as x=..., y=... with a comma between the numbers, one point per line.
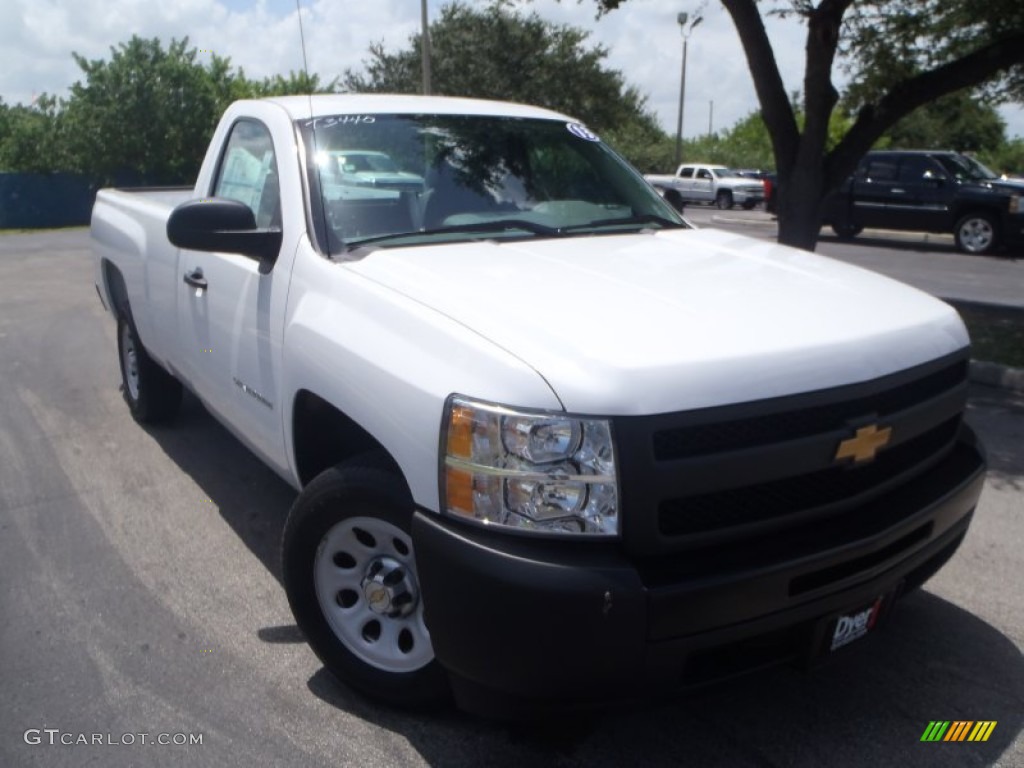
x=389, y=588
x=377, y=597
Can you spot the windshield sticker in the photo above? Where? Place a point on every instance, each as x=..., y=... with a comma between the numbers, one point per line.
x=581, y=132
x=328, y=122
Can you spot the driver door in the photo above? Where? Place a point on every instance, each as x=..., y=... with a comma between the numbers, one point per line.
x=230, y=350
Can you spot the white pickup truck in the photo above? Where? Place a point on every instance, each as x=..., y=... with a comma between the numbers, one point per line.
x=694, y=183
x=552, y=444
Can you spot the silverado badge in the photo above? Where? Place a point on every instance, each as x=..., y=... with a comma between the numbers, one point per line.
x=864, y=444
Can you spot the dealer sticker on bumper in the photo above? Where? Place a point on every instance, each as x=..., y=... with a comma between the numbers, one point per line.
x=853, y=626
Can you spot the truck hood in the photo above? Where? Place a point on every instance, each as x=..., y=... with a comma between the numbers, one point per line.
x=1012, y=186
x=658, y=322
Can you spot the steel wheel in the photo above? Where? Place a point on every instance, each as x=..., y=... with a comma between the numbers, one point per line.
x=350, y=573
x=130, y=361
x=152, y=394
x=365, y=580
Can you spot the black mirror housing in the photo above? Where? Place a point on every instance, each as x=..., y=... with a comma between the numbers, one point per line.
x=220, y=224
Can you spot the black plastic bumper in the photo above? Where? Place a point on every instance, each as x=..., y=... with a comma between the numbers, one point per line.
x=521, y=621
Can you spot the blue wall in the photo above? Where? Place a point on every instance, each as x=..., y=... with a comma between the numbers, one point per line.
x=35, y=200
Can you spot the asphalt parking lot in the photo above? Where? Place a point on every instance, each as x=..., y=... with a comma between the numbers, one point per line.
x=140, y=594
x=925, y=260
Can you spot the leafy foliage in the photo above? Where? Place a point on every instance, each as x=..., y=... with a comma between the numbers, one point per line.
x=147, y=110
x=31, y=138
x=958, y=121
x=144, y=115
x=498, y=53
x=901, y=56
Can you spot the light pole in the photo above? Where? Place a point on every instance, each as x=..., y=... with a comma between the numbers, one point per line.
x=683, y=18
x=425, y=48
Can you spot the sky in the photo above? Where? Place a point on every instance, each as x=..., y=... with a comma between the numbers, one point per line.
x=262, y=36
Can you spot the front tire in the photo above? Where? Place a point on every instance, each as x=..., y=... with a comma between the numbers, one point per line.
x=976, y=233
x=152, y=394
x=723, y=200
x=351, y=579
x=846, y=230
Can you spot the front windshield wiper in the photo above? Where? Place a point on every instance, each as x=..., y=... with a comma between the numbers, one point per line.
x=511, y=225
x=498, y=225
x=645, y=218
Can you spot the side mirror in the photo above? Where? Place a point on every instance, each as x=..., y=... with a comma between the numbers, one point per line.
x=935, y=179
x=219, y=224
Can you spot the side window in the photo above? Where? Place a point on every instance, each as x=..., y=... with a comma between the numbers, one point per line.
x=248, y=172
x=704, y=173
x=880, y=169
x=686, y=173
x=916, y=168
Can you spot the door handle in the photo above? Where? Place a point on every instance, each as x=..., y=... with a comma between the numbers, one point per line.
x=195, y=279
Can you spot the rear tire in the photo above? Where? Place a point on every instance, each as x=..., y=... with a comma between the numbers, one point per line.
x=976, y=233
x=723, y=200
x=350, y=575
x=152, y=394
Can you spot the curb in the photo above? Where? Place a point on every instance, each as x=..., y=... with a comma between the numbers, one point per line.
x=996, y=375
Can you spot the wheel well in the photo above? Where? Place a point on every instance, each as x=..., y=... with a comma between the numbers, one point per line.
x=116, y=289
x=324, y=436
x=992, y=213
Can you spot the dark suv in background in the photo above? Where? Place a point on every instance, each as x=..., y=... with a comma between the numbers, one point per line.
x=930, y=191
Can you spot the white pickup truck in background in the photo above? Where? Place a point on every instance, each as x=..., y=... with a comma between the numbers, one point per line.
x=551, y=444
x=696, y=183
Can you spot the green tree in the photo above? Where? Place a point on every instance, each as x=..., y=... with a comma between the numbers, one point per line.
x=1007, y=158
x=958, y=121
x=642, y=142
x=295, y=83
x=497, y=53
x=147, y=110
x=899, y=54
x=31, y=138
x=146, y=114
x=745, y=145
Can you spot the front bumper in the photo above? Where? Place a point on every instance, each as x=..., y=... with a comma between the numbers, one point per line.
x=1013, y=230
x=554, y=624
x=740, y=196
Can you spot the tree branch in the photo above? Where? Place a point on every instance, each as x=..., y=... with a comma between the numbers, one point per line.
x=820, y=95
x=776, y=111
x=906, y=96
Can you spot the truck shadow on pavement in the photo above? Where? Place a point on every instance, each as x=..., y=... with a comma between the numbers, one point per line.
x=249, y=496
x=991, y=410
x=934, y=661
x=870, y=705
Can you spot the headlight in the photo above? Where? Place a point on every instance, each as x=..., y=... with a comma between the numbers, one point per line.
x=544, y=471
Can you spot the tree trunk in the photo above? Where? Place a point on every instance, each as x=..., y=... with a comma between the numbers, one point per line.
x=801, y=189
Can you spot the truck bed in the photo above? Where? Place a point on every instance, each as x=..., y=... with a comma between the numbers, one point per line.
x=129, y=230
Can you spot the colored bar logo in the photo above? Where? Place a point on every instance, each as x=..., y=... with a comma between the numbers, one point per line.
x=958, y=730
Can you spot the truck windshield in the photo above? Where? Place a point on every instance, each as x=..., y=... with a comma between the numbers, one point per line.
x=403, y=180
x=965, y=168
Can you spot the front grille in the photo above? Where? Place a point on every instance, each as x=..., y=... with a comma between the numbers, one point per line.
x=763, y=429
x=792, y=496
x=730, y=477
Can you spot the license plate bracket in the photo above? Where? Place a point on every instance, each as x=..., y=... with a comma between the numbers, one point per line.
x=840, y=630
